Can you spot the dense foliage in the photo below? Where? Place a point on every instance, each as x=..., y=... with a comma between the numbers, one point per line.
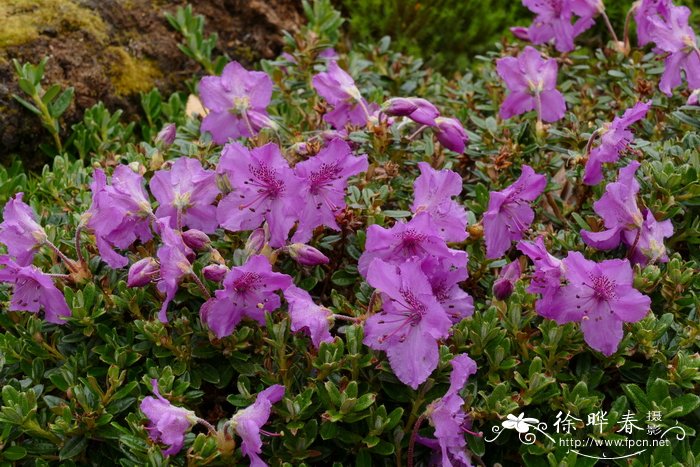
x=449, y=33
x=74, y=393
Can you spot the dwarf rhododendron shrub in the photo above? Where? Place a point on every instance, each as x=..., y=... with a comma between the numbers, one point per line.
x=341, y=257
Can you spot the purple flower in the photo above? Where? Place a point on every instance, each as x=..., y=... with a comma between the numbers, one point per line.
x=601, y=297
x=120, y=213
x=448, y=417
x=185, y=194
x=167, y=423
x=20, y=232
x=174, y=264
x=324, y=179
x=674, y=36
x=142, y=272
x=548, y=275
x=451, y=134
x=694, y=97
x=339, y=89
x=532, y=83
x=410, y=323
x=237, y=103
x=648, y=242
x=417, y=109
x=402, y=242
x=247, y=423
x=264, y=189
x=444, y=275
x=553, y=21
x=643, y=14
x=615, y=137
x=432, y=193
x=505, y=284
x=521, y=33
x=306, y=255
x=307, y=316
x=509, y=213
x=624, y=222
x=33, y=290
x=249, y=291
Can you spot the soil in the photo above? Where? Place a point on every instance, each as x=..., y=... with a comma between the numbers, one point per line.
x=100, y=58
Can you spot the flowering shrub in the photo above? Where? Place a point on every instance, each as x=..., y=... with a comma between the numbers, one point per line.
x=349, y=259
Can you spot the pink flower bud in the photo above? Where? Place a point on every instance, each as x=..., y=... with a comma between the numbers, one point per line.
x=256, y=241
x=196, y=239
x=166, y=136
x=215, y=272
x=504, y=285
x=141, y=272
x=306, y=255
x=521, y=33
x=399, y=107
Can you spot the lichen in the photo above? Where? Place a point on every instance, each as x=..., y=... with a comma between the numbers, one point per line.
x=24, y=20
x=130, y=75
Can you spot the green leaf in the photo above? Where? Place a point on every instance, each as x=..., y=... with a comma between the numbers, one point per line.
x=73, y=447
x=14, y=453
x=57, y=107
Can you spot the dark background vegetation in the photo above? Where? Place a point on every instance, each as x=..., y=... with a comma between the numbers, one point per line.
x=447, y=34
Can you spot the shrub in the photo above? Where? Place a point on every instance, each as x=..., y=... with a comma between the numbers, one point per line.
x=351, y=342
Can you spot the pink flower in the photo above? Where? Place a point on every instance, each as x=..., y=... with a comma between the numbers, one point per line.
x=185, y=193
x=601, y=297
x=264, y=189
x=324, y=180
x=339, y=89
x=237, y=103
x=532, y=83
x=167, y=423
x=410, y=323
x=509, y=213
x=33, y=291
x=249, y=291
x=432, y=193
x=306, y=316
x=20, y=232
x=120, y=213
x=614, y=139
x=247, y=423
x=447, y=415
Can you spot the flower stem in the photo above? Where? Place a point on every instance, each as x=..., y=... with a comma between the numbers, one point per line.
x=244, y=115
x=628, y=20
x=610, y=28
x=78, y=249
x=352, y=319
x=201, y=286
x=415, y=134
x=210, y=427
x=412, y=441
x=70, y=264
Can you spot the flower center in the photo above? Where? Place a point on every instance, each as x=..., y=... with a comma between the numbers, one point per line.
x=603, y=288
x=246, y=282
x=411, y=240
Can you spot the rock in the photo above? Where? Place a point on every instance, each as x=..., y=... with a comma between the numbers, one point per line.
x=111, y=50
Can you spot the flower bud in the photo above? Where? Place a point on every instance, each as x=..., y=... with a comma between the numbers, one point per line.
x=142, y=272
x=166, y=136
x=399, y=107
x=504, y=285
x=694, y=97
x=521, y=33
x=196, y=239
x=215, y=272
x=306, y=255
x=451, y=134
x=256, y=241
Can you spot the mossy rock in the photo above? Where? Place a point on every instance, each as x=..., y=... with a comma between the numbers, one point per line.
x=112, y=51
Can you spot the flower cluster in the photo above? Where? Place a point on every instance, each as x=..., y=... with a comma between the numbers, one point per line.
x=418, y=278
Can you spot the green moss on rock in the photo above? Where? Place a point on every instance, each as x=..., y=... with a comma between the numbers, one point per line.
x=23, y=20
x=131, y=75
